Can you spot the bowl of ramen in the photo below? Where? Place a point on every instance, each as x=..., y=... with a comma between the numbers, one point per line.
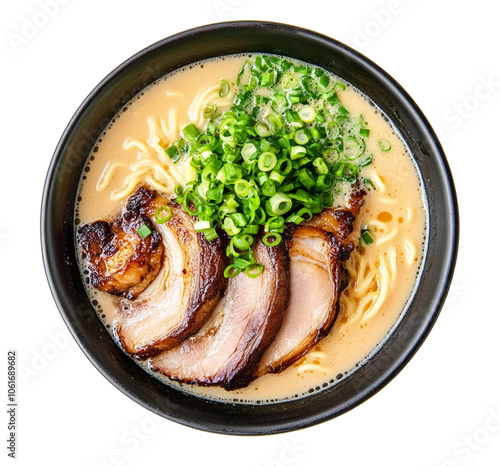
x=249, y=228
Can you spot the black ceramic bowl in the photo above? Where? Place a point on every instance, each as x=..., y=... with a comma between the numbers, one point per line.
x=58, y=230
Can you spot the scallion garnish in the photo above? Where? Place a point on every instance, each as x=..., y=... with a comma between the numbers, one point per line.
x=143, y=231
x=272, y=239
x=280, y=204
x=231, y=271
x=277, y=156
x=224, y=88
x=209, y=110
x=366, y=236
x=254, y=270
x=384, y=144
x=163, y=214
x=173, y=153
x=267, y=161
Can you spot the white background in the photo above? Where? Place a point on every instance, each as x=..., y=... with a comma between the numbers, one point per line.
x=443, y=409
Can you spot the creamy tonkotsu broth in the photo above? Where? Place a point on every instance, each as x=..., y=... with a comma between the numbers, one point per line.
x=382, y=274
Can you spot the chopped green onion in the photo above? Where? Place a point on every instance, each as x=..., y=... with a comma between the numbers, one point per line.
x=267, y=161
x=242, y=241
x=272, y=239
x=305, y=178
x=366, y=236
x=224, y=88
x=280, y=203
x=230, y=227
x=301, y=137
x=279, y=155
x=144, y=231
x=163, y=214
x=331, y=156
x=173, y=153
x=275, y=123
x=297, y=152
x=293, y=118
x=254, y=270
x=284, y=166
x=231, y=271
x=278, y=103
x=321, y=166
x=276, y=176
x=241, y=188
x=249, y=152
x=268, y=188
x=354, y=147
x=210, y=234
x=190, y=133
x=209, y=110
x=324, y=81
x=275, y=223
x=229, y=173
x=343, y=110
x=267, y=79
x=384, y=144
x=252, y=229
x=324, y=182
x=202, y=225
x=368, y=183
x=305, y=211
x=239, y=219
x=241, y=263
x=307, y=114
x=340, y=85
x=262, y=130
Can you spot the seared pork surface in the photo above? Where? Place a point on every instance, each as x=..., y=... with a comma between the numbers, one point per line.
x=227, y=349
x=119, y=260
x=340, y=222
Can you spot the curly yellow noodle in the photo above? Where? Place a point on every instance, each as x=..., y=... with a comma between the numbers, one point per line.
x=129, y=144
x=377, y=181
x=318, y=354
x=153, y=166
x=385, y=231
x=411, y=252
x=170, y=128
x=128, y=186
x=209, y=96
x=156, y=132
x=311, y=367
x=409, y=214
x=107, y=174
x=370, y=285
x=388, y=200
x=388, y=272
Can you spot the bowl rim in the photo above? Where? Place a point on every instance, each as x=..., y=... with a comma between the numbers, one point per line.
x=245, y=427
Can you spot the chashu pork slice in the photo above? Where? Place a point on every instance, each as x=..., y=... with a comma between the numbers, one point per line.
x=340, y=221
x=315, y=285
x=226, y=351
x=317, y=278
x=187, y=288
